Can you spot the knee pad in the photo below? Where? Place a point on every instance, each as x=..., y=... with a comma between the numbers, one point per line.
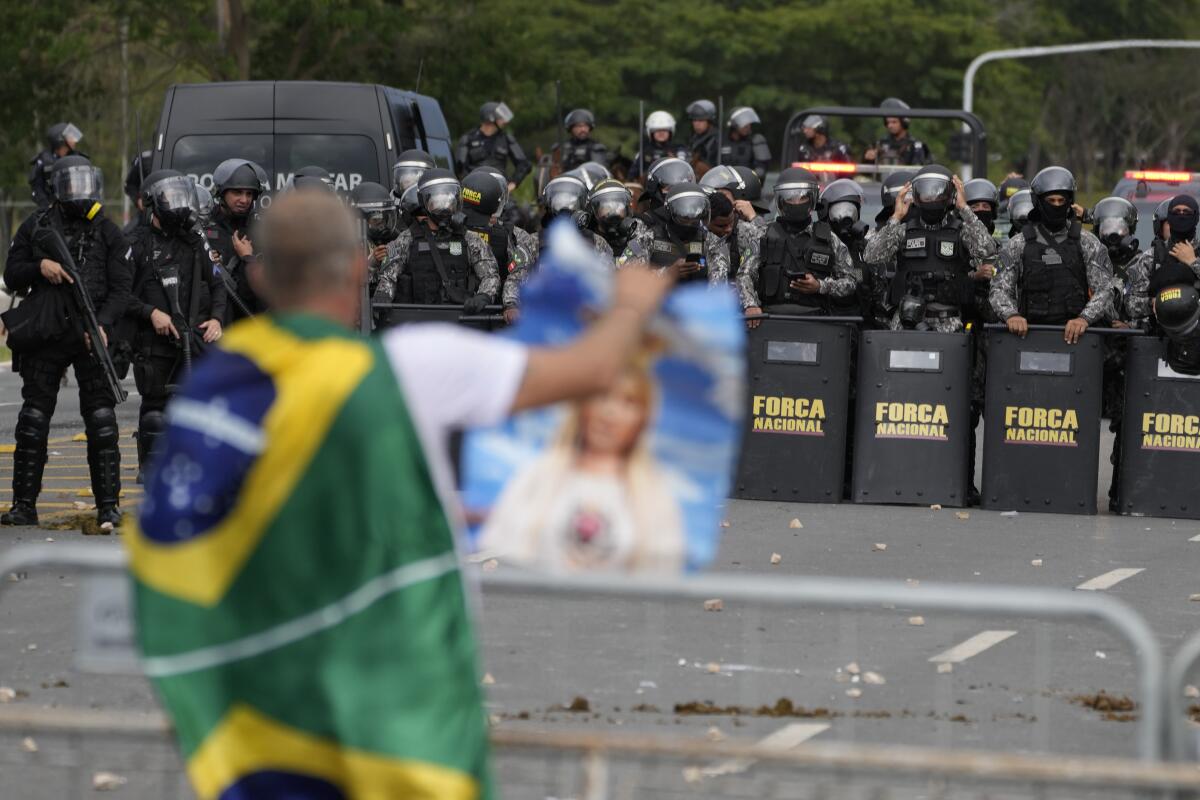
x=33, y=427
x=101, y=425
x=153, y=423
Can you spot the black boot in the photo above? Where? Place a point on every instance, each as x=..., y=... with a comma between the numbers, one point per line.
x=104, y=462
x=109, y=515
x=29, y=463
x=150, y=430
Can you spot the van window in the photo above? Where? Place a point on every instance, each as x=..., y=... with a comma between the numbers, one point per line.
x=351, y=159
x=440, y=150
x=197, y=156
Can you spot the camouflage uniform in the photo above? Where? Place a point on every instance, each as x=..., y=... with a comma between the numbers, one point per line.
x=716, y=253
x=1137, y=286
x=525, y=257
x=749, y=239
x=843, y=285
x=1005, y=297
x=483, y=262
x=884, y=243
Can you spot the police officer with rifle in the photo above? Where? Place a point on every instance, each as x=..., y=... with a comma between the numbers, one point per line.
x=177, y=304
x=238, y=184
x=74, y=263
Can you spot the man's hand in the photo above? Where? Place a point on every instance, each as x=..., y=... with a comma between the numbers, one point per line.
x=960, y=194
x=1017, y=325
x=751, y=312
x=211, y=330
x=869, y=155
x=475, y=304
x=903, y=202
x=162, y=323
x=1074, y=330
x=1119, y=324
x=806, y=285
x=512, y=187
x=1184, y=252
x=87, y=340
x=511, y=315
x=985, y=272
x=378, y=254
x=54, y=272
x=685, y=268
x=242, y=245
x=744, y=209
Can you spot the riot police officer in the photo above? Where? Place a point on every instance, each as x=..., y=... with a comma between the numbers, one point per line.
x=746, y=147
x=437, y=260
x=741, y=236
x=662, y=176
x=138, y=169
x=659, y=143
x=803, y=267
x=408, y=169
x=704, y=146
x=898, y=147
x=490, y=145
x=839, y=206
x=817, y=145
x=581, y=148
x=238, y=184
x=56, y=340
x=177, y=304
x=61, y=140
x=484, y=195
x=1019, y=206
x=1114, y=221
x=381, y=216
x=1165, y=259
x=610, y=208
x=1009, y=187
x=676, y=236
x=1053, y=272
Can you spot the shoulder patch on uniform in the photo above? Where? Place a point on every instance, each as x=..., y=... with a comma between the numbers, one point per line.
x=456, y=248
x=946, y=248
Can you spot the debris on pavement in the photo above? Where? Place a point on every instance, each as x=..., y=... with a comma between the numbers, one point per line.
x=29, y=745
x=936, y=507
x=945, y=668
x=488, y=680
x=878, y=547
x=853, y=668
x=1008, y=513
x=715, y=604
x=918, y=621
x=107, y=781
x=7, y=694
x=873, y=678
x=1100, y=654
x=724, y=523
x=963, y=514
x=1195, y=598
x=1037, y=562
x=713, y=668
x=795, y=523
x=1191, y=691
x=1114, y=708
x=714, y=734
x=776, y=558
x=854, y=692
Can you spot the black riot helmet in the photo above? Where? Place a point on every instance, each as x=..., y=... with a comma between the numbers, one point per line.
x=753, y=186
x=78, y=186
x=205, y=204
x=933, y=192
x=609, y=204
x=1019, y=206
x=591, y=173
x=687, y=206
x=796, y=195
x=410, y=205
x=666, y=172
x=1160, y=216
x=311, y=177
x=564, y=195
x=501, y=180
x=816, y=123
x=439, y=194
x=482, y=198
x=138, y=168
x=378, y=208
x=63, y=133
x=1177, y=309
x=495, y=112
x=1008, y=187
x=1052, y=181
x=577, y=116
x=146, y=190
x=173, y=199
x=889, y=190
x=723, y=177
x=408, y=169
x=840, y=204
x=238, y=173
x=1114, y=221
x=702, y=110
x=741, y=117
x=981, y=190
x=893, y=107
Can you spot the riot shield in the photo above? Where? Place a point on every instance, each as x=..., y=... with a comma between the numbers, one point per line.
x=1160, y=435
x=1041, y=442
x=913, y=418
x=794, y=447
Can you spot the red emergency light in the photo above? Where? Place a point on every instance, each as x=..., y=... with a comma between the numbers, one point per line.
x=827, y=166
x=1158, y=175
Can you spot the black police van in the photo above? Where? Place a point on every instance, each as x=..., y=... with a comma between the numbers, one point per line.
x=354, y=130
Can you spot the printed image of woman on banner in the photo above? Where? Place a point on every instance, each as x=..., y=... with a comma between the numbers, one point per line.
x=632, y=480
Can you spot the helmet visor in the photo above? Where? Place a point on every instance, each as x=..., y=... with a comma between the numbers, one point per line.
x=78, y=183
x=406, y=174
x=610, y=207
x=743, y=117
x=689, y=208
x=842, y=211
x=71, y=133
x=794, y=194
x=503, y=113
x=1112, y=228
x=1019, y=208
x=441, y=198
x=562, y=200
x=176, y=193
x=931, y=188
x=409, y=202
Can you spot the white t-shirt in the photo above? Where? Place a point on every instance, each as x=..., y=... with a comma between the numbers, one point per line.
x=453, y=377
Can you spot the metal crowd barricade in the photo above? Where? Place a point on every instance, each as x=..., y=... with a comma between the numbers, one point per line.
x=491, y=319
x=794, y=447
x=1184, y=744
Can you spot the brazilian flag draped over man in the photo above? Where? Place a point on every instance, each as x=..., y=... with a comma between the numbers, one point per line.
x=298, y=596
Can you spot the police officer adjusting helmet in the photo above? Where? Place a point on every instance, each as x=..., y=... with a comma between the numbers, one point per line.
x=439, y=194
x=743, y=116
x=408, y=169
x=173, y=200
x=482, y=198
x=1114, y=221
x=666, y=172
x=796, y=195
x=1052, y=181
x=659, y=121
x=580, y=116
x=752, y=185
x=933, y=192
x=63, y=133
x=78, y=186
x=840, y=204
x=981, y=190
x=497, y=113
x=889, y=190
x=688, y=209
x=1019, y=207
x=377, y=205
x=609, y=204
x=897, y=106
x=704, y=110
x=239, y=173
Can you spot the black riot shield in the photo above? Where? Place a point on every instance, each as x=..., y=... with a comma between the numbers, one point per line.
x=795, y=443
x=913, y=418
x=1160, y=435
x=1041, y=441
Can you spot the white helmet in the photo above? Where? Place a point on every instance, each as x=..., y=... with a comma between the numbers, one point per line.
x=660, y=121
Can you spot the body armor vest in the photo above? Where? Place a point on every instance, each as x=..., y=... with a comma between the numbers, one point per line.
x=786, y=256
x=935, y=259
x=1054, y=286
x=434, y=285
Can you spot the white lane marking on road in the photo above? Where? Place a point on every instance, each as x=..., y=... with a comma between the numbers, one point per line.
x=1109, y=579
x=782, y=740
x=972, y=647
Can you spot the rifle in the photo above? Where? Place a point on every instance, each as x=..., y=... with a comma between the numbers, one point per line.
x=52, y=242
x=170, y=283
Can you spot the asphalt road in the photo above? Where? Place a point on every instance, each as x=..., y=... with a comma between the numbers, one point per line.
x=1014, y=683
